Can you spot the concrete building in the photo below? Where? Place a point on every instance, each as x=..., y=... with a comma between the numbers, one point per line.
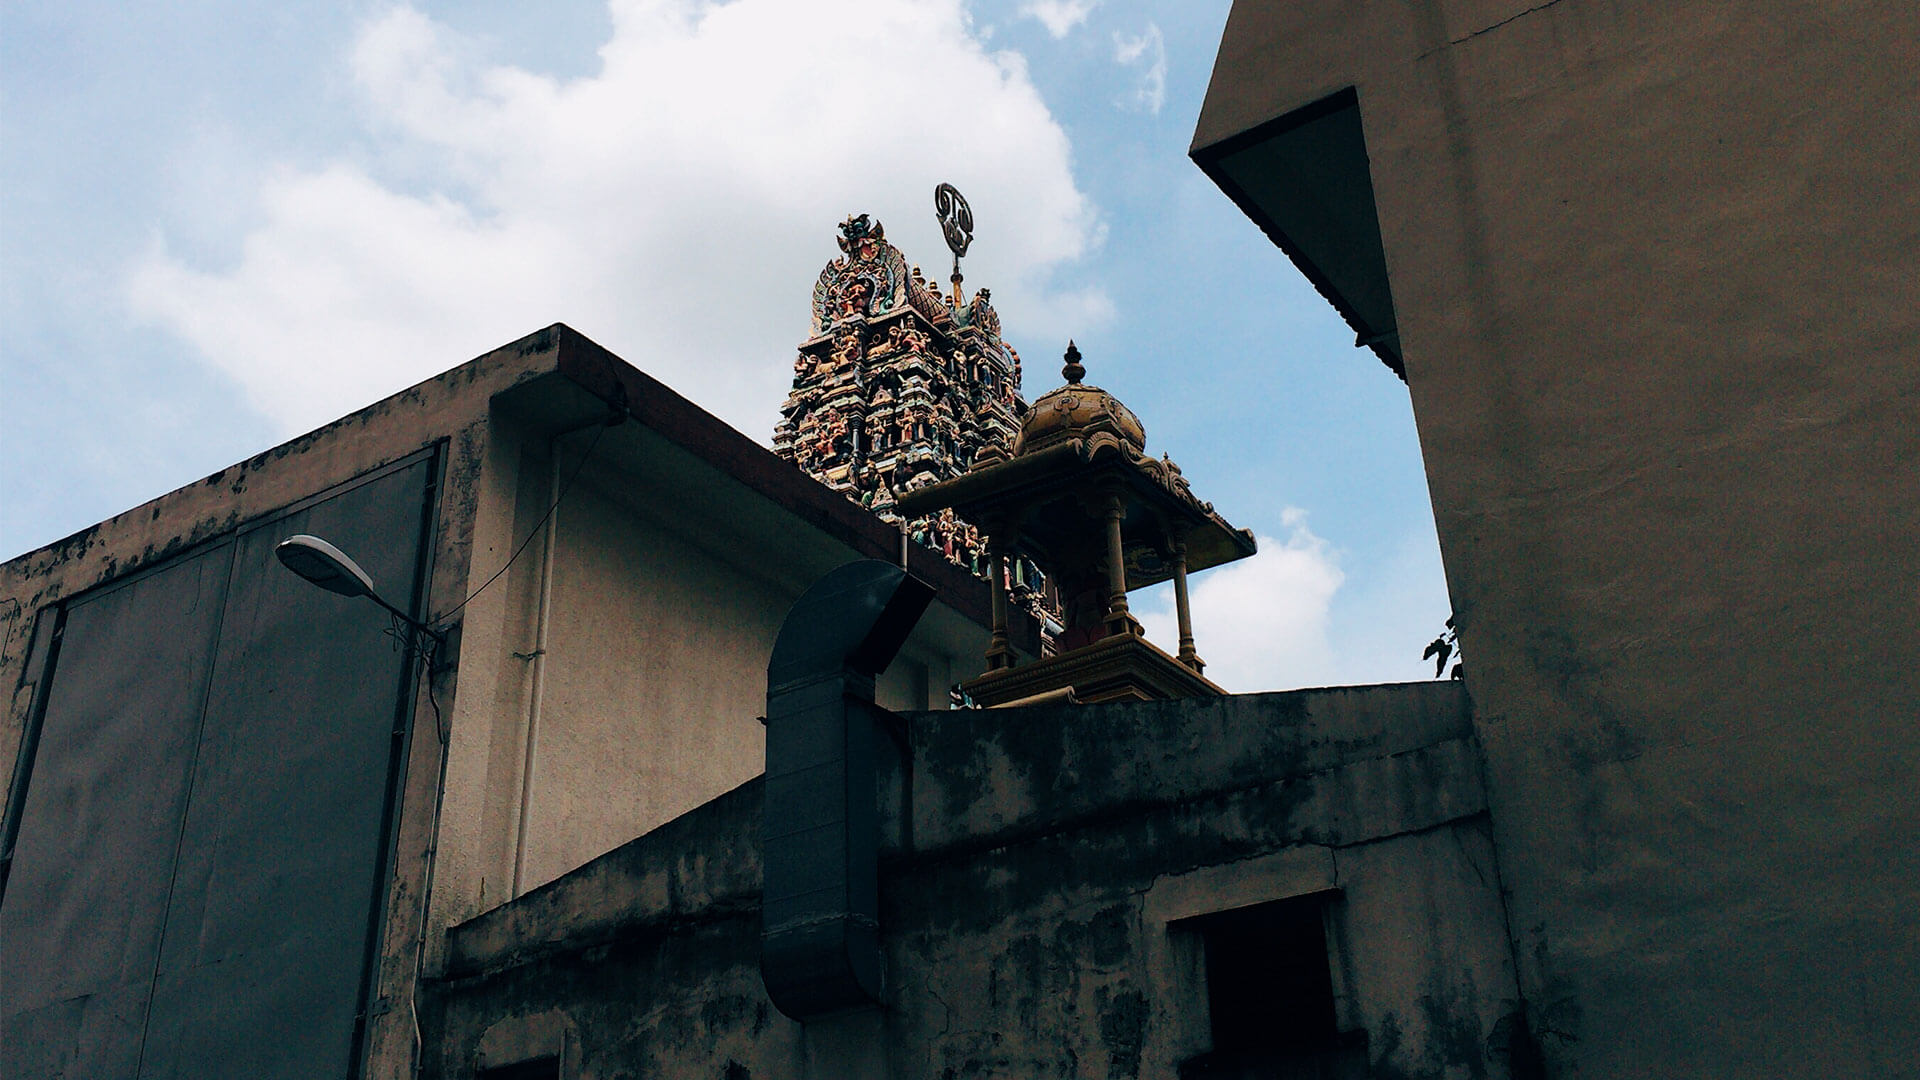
x=249, y=833
x=232, y=791
x=1281, y=885
x=1294, y=884
x=1648, y=271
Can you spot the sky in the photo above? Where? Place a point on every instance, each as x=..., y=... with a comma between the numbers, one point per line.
x=225, y=223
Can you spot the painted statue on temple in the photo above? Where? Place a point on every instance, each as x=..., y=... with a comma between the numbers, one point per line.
x=898, y=386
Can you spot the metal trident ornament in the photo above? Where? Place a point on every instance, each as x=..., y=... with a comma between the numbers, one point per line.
x=956, y=221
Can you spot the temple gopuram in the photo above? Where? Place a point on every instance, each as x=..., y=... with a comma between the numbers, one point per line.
x=900, y=385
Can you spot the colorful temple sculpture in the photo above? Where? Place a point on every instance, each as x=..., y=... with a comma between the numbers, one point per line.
x=1079, y=496
x=899, y=386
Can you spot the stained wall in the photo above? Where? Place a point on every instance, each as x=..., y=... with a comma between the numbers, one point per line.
x=1653, y=272
x=1039, y=868
x=678, y=550
x=666, y=587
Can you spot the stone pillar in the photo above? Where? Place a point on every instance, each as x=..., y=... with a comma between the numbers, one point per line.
x=1119, y=620
x=1182, y=609
x=1000, y=649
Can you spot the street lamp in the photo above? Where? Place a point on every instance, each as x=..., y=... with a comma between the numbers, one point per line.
x=333, y=570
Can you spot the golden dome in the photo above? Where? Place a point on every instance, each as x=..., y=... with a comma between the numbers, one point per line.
x=1078, y=411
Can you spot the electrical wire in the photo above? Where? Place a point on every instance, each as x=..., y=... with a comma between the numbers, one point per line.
x=421, y=647
x=425, y=656
x=431, y=859
x=565, y=487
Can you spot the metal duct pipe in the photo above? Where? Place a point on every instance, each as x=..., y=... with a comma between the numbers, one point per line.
x=820, y=934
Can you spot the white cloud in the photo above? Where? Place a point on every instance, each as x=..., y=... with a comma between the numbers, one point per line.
x=1149, y=48
x=675, y=205
x=1059, y=16
x=1261, y=623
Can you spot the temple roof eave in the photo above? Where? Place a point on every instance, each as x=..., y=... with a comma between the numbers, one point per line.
x=946, y=328
x=1006, y=491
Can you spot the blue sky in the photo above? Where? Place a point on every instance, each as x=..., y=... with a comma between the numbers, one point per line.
x=224, y=223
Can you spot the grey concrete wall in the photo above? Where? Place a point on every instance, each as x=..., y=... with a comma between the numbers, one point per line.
x=664, y=607
x=1654, y=271
x=656, y=670
x=678, y=556
x=1031, y=871
x=655, y=673
x=452, y=408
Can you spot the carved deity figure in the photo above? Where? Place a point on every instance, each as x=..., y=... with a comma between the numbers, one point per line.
x=860, y=236
x=854, y=300
x=949, y=534
x=846, y=349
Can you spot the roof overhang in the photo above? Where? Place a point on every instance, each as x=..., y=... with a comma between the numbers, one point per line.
x=1021, y=498
x=1303, y=177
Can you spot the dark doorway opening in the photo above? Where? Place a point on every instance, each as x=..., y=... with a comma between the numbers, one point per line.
x=1270, y=996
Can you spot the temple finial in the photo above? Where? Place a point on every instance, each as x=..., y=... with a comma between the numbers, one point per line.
x=1073, y=372
x=956, y=223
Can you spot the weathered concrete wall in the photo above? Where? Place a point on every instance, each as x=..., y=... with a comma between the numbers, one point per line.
x=667, y=598
x=451, y=409
x=655, y=670
x=1033, y=863
x=1654, y=270
x=669, y=582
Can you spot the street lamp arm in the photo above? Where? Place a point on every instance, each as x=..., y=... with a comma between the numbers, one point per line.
x=334, y=570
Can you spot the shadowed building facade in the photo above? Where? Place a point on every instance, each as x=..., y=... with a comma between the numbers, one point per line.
x=240, y=815
x=266, y=840
x=1648, y=271
x=1164, y=880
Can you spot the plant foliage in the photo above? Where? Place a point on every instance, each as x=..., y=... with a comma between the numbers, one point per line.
x=1444, y=648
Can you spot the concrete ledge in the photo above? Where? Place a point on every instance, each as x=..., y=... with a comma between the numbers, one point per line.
x=699, y=866
x=1243, y=774
x=992, y=776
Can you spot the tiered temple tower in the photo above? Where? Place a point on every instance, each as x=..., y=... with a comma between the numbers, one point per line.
x=900, y=386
